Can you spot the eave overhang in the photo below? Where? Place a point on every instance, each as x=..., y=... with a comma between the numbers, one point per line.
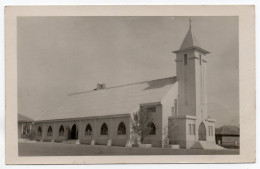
x=191, y=48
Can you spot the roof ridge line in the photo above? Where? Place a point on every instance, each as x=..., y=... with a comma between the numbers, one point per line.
x=118, y=86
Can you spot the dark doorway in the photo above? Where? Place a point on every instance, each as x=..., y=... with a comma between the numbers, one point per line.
x=74, y=132
x=202, y=132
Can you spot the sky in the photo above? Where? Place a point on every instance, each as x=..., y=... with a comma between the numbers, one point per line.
x=62, y=55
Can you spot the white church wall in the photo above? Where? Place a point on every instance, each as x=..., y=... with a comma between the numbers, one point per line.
x=211, y=134
x=201, y=90
x=57, y=136
x=112, y=123
x=83, y=137
x=45, y=136
x=36, y=126
x=190, y=132
x=117, y=139
x=155, y=140
x=192, y=83
x=191, y=67
x=186, y=83
x=102, y=139
x=177, y=134
x=168, y=103
x=180, y=132
x=44, y=132
x=55, y=131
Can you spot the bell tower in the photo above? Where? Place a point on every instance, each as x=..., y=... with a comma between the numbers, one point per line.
x=191, y=64
x=191, y=127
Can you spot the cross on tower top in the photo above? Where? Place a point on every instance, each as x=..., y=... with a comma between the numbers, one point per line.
x=190, y=22
x=190, y=41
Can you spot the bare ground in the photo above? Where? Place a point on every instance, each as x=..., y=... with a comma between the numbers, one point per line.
x=61, y=149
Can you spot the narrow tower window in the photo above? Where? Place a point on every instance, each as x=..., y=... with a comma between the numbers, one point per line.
x=185, y=59
x=192, y=129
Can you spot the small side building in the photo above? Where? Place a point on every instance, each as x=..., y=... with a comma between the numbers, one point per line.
x=228, y=136
x=24, y=126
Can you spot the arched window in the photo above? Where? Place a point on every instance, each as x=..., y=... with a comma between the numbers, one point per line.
x=104, y=129
x=88, y=130
x=25, y=129
x=61, y=130
x=152, y=128
x=39, y=133
x=49, y=133
x=121, y=130
x=202, y=132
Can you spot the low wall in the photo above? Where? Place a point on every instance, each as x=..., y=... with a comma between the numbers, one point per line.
x=119, y=142
x=85, y=141
x=102, y=140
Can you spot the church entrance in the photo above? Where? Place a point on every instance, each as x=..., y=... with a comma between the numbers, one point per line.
x=74, y=132
x=202, y=132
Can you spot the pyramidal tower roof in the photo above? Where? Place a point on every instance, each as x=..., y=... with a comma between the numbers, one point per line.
x=190, y=42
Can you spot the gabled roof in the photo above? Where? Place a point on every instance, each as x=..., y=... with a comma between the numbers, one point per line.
x=124, y=99
x=23, y=118
x=227, y=130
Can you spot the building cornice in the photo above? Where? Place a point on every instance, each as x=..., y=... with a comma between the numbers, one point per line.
x=191, y=48
x=86, y=118
x=183, y=117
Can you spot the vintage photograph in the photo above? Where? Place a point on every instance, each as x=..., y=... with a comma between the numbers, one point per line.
x=128, y=85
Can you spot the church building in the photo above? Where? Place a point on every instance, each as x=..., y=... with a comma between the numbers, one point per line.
x=104, y=116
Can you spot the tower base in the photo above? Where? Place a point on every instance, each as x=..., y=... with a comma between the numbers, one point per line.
x=191, y=132
x=206, y=145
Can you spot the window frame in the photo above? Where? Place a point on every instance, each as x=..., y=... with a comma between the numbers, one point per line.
x=185, y=59
x=192, y=130
x=101, y=131
x=150, y=109
x=49, y=131
x=88, y=126
x=121, y=124
x=153, y=131
x=210, y=131
x=39, y=131
x=63, y=130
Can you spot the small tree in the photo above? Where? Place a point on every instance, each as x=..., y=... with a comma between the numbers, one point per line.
x=31, y=135
x=141, y=121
